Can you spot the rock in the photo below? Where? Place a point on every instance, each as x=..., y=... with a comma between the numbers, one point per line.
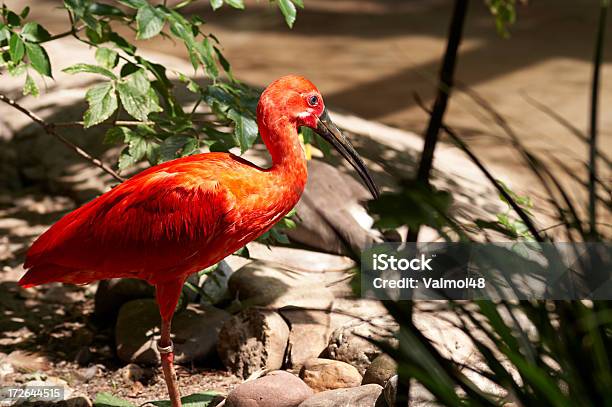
x=80, y=401
x=27, y=362
x=87, y=374
x=113, y=293
x=83, y=356
x=263, y=283
x=132, y=373
x=300, y=259
x=344, y=345
x=194, y=329
x=309, y=336
x=380, y=370
x=390, y=390
x=276, y=389
x=331, y=217
x=251, y=340
x=368, y=395
x=326, y=374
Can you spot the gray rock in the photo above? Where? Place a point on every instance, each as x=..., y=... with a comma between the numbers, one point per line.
x=276, y=389
x=390, y=390
x=348, y=347
x=380, y=370
x=194, y=329
x=132, y=373
x=262, y=283
x=113, y=293
x=251, y=340
x=326, y=374
x=368, y=395
x=327, y=211
x=309, y=336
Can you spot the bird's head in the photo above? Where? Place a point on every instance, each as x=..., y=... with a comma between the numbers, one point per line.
x=295, y=99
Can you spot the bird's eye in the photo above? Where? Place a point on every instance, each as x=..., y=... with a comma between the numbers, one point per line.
x=313, y=100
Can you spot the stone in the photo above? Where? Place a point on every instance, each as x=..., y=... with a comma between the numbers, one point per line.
x=309, y=336
x=80, y=401
x=327, y=374
x=380, y=370
x=346, y=346
x=262, y=283
x=300, y=259
x=113, y=293
x=132, y=372
x=390, y=390
x=27, y=362
x=330, y=212
x=368, y=395
x=251, y=340
x=276, y=389
x=195, y=330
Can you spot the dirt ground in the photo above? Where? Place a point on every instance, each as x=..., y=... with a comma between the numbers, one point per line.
x=369, y=57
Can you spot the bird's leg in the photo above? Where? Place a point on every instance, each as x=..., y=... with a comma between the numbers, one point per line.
x=167, y=297
x=166, y=351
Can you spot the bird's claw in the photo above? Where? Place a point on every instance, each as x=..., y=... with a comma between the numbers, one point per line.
x=164, y=350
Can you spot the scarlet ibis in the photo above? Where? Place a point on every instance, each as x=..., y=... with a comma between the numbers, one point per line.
x=182, y=216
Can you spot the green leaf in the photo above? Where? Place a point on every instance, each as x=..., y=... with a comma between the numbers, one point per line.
x=207, y=53
x=107, y=58
x=39, y=59
x=13, y=19
x=35, y=32
x=118, y=135
x=100, y=9
x=25, y=12
x=299, y=3
x=216, y=4
x=30, y=87
x=108, y=400
x=4, y=32
x=102, y=101
x=239, y=4
x=193, y=400
x=16, y=48
x=88, y=68
x=137, y=96
x=288, y=10
x=177, y=146
x=245, y=130
x=134, y=3
x=150, y=22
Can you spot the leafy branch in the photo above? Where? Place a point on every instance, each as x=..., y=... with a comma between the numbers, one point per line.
x=49, y=128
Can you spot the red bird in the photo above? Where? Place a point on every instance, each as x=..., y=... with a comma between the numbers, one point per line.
x=182, y=216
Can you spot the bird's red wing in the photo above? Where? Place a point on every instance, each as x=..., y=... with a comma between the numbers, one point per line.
x=156, y=222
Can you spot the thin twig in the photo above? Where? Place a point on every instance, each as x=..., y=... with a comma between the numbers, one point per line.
x=49, y=128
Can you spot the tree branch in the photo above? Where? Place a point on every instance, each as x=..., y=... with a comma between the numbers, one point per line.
x=49, y=128
x=455, y=35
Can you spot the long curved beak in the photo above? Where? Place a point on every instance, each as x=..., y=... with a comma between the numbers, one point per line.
x=328, y=130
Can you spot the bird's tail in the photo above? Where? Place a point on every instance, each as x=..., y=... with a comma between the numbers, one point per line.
x=47, y=273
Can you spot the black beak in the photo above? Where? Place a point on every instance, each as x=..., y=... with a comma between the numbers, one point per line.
x=328, y=130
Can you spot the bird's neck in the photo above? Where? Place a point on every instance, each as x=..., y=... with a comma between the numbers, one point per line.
x=288, y=158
